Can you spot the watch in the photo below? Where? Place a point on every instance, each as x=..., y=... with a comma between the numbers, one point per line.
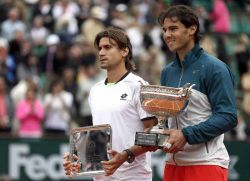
x=131, y=156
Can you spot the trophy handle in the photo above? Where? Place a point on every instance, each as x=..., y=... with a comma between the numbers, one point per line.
x=187, y=89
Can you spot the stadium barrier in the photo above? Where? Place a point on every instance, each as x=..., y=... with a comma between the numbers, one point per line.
x=41, y=159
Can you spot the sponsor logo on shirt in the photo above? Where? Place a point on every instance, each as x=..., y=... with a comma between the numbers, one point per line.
x=124, y=96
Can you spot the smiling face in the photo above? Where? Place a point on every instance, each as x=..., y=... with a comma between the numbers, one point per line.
x=178, y=38
x=110, y=56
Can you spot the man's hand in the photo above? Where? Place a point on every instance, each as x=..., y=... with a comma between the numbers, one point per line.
x=117, y=160
x=70, y=168
x=175, y=141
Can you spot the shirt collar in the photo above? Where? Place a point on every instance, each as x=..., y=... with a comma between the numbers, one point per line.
x=125, y=75
x=191, y=56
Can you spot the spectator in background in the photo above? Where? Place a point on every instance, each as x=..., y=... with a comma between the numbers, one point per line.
x=44, y=9
x=6, y=108
x=91, y=74
x=242, y=54
x=75, y=56
x=64, y=8
x=30, y=114
x=203, y=18
x=84, y=11
x=7, y=64
x=22, y=9
x=38, y=31
x=62, y=31
x=240, y=131
x=64, y=13
x=140, y=10
x=221, y=49
x=26, y=49
x=220, y=17
x=48, y=59
x=94, y=24
x=244, y=4
x=55, y=57
x=135, y=33
x=119, y=16
x=18, y=92
x=69, y=79
x=15, y=46
x=70, y=85
x=58, y=103
x=245, y=83
x=209, y=44
x=88, y=75
x=28, y=68
x=151, y=63
x=5, y=6
x=12, y=24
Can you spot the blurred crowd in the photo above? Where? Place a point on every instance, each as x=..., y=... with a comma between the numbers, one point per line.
x=48, y=62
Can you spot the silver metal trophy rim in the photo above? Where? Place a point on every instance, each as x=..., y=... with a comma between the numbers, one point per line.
x=90, y=128
x=165, y=93
x=168, y=92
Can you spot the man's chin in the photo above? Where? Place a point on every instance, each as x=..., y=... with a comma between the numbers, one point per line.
x=172, y=49
x=103, y=67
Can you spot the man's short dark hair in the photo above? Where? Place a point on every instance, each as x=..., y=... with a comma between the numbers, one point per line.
x=185, y=14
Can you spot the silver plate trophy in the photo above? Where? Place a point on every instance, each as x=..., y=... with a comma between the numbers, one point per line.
x=163, y=102
x=90, y=145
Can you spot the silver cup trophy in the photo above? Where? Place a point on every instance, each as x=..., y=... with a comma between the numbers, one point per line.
x=163, y=102
x=90, y=144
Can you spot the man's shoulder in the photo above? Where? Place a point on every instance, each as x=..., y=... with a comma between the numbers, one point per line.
x=214, y=65
x=211, y=60
x=98, y=84
x=134, y=79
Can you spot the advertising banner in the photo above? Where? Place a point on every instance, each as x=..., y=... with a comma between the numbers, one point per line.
x=42, y=159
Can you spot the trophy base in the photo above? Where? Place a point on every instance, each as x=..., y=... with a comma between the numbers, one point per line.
x=150, y=139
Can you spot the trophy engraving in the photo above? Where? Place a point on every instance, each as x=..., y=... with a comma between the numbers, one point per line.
x=163, y=102
x=90, y=144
